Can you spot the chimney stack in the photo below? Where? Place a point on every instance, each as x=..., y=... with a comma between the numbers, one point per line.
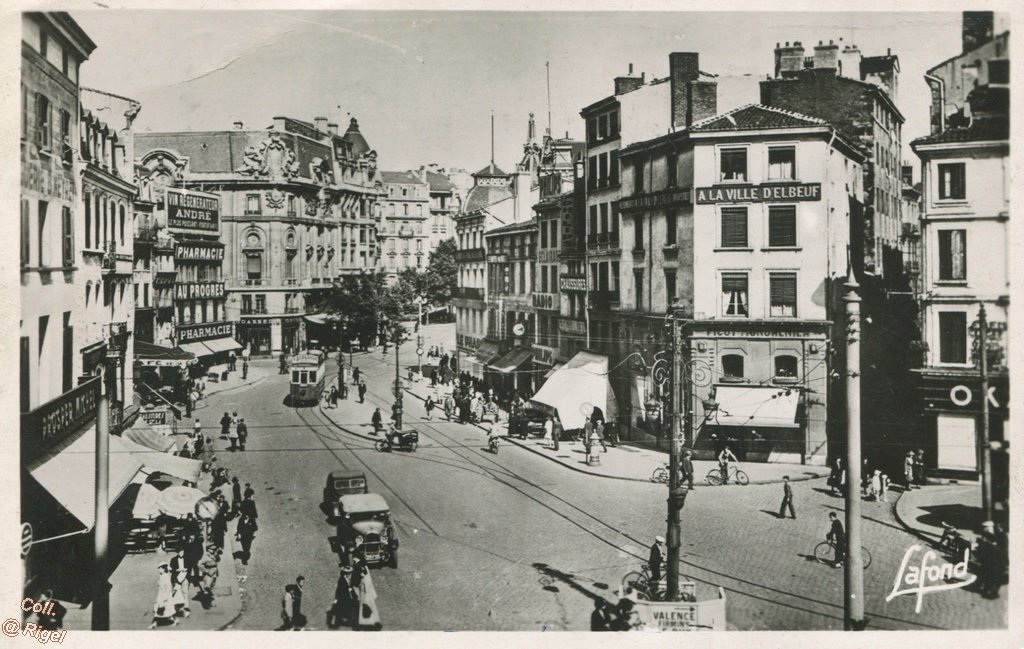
x=332, y=128
x=238, y=125
x=826, y=57
x=628, y=83
x=692, y=99
x=321, y=124
x=789, y=59
x=978, y=28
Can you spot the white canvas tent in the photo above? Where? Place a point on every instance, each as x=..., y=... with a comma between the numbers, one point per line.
x=580, y=384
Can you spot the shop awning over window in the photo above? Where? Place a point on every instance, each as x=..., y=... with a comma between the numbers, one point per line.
x=145, y=435
x=487, y=351
x=218, y=345
x=196, y=349
x=70, y=475
x=576, y=388
x=511, y=361
x=150, y=355
x=180, y=467
x=755, y=406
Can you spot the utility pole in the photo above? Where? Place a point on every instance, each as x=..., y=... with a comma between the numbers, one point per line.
x=986, y=450
x=853, y=584
x=100, y=591
x=398, y=384
x=676, y=495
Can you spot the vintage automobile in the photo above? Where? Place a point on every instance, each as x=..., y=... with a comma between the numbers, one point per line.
x=340, y=483
x=365, y=527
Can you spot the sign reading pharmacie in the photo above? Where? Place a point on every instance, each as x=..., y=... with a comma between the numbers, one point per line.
x=197, y=251
x=757, y=193
x=52, y=422
x=208, y=331
x=192, y=210
x=198, y=290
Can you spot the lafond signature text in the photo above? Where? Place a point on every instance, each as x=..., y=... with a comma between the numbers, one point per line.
x=927, y=575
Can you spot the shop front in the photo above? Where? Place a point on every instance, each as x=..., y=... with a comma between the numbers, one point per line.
x=510, y=373
x=579, y=389
x=211, y=343
x=271, y=335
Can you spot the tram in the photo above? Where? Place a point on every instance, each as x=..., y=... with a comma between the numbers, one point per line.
x=309, y=375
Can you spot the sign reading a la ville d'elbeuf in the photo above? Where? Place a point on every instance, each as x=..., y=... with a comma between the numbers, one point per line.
x=758, y=193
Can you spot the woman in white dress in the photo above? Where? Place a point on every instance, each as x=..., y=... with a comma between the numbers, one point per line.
x=163, y=607
x=368, y=615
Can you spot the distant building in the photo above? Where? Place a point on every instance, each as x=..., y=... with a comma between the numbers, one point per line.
x=404, y=236
x=445, y=202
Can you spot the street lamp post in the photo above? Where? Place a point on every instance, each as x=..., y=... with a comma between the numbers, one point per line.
x=398, y=384
x=854, y=571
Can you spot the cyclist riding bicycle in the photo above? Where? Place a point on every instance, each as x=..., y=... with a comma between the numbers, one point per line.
x=837, y=536
x=724, y=458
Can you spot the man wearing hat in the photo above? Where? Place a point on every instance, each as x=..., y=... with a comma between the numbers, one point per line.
x=990, y=560
x=656, y=558
x=345, y=610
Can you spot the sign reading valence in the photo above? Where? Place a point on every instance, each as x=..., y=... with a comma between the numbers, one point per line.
x=759, y=193
x=188, y=210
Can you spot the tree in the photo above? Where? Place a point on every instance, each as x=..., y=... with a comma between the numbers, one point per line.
x=442, y=274
x=362, y=302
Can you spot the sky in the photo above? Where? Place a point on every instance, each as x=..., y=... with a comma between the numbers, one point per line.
x=423, y=84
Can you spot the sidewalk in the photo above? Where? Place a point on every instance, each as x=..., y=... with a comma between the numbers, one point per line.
x=922, y=511
x=258, y=370
x=634, y=463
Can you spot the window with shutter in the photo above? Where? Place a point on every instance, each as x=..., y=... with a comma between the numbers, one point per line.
x=734, y=294
x=781, y=226
x=782, y=291
x=613, y=166
x=638, y=232
x=43, y=121
x=952, y=181
x=952, y=254
x=952, y=337
x=734, y=227
x=68, y=237
x=254, y=266
x=670, y=228
x=592, y=172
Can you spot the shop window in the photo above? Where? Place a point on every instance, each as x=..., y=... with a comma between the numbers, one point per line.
x=781, y=163
x=953, y=337
x=952, y=254
x=781, y=226
x=734, y=227
x=952, y=181
x=786, y=367
x=735, y=294
x=733, y=165
x=732, y=366
x=782, y=289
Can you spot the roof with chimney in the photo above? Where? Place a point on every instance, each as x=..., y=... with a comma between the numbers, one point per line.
x=877, y=64
x=754, y=117
x=400, y=177
x=490, y=171
x=985, y=129
x=439, y=182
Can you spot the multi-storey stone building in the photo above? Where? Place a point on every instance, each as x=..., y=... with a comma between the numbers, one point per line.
x=404, y=236
x=297, y=209
x=445, y=202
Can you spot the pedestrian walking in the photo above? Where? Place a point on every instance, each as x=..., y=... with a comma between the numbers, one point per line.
x=612, y=431
x=243, y=433
x=180, y=596
x=600, y=618
x=367, y=596
x=787, y=499
x=362, y=391
x=232, y=359
x=686, y=468
x=875, y=490
x=225, y=425
x=193, y=555
x=355, y=376
x=245, y=533
x=197, y=428
x=919, y=478
x=835, y=478
x=236, y=495
x=163, y=607
x=282, y=364
x=429, y=407
x=246, y=352
x=588, y=431
x=884, y=488
x=248, y=506
x=656, y=558
x=245, y=369
x=344, y=608
x=433, y=378
x=218, y=529
x=333, y=397
x=908, y=470
x=287, y=608
x=209, y=567
x=377, y=419
x=556, y=432
x=248, y=492
x=549, y=426
x=599, y=429
x=298, y=619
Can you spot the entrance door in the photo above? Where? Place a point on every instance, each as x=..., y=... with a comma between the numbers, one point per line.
x=957, y=441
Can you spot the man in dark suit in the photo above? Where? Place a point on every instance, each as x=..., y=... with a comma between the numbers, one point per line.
x=345, y=611
x=600, y=619
x=298, y=619
x=657, y=558
x=837, y=535
x=787, y=499
x=248, y=507
x=686, y=468
x=362, y=391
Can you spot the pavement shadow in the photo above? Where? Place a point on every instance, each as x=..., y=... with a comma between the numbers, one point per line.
x=827, y=492
x=771, y=513
x=960, y=516
x=551, y=576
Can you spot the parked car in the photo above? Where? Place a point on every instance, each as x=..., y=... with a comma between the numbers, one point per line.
x=340, y=483
x=365, y=526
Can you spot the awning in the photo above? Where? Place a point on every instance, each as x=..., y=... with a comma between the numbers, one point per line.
x=143, y=434
x=486, y=351
x=150, y=355
x=316, y=318
x=218, y=345
x=181, y=467
x=70, y=475
x=145, y=506
x=511, y=361
x=578, y=387
x=196, y=349
x=554, y=369
x=755, y=406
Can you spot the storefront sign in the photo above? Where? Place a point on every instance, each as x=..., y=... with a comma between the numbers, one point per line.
x=548, y=256
x=574, y=327
x=757, y=193
x=965, y=395
x=199, y=291
x=189, y=210
x=199, y=251
x=572, y=283
x=708, y=615
x=547, y=301
x=195, y=333
x=544, y=355
x=271, y=320
x=994, y=336
x=657, y=199
x=52, y=422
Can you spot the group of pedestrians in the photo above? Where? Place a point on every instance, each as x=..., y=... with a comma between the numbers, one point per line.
x=194, y=565
x=235, y=429
x=292, y=618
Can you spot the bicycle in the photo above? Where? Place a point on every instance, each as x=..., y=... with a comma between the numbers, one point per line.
x=825, y=552
x=642, y=584
x=952, y=542
x=714, y=476
x=660, y=474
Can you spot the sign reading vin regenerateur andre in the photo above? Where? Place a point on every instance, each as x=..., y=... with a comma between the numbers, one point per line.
x=188, y=210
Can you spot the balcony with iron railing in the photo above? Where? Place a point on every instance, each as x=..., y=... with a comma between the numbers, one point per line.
x=468, y=293
x=469, y=255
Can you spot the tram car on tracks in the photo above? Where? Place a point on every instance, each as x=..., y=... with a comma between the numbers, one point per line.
x=308, y=376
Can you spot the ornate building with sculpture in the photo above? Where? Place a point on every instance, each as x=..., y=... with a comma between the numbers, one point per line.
x=297, y=210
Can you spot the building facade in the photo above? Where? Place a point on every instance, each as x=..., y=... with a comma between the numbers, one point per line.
x=297, y=209
x=445, y=202
x=405, y=234
x=966, y=184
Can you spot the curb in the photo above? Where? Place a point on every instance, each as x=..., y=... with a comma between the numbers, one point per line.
x=536, y=451
x=229, y=539
x=918, y=532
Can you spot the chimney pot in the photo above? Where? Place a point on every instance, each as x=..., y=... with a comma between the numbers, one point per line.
x=787, y=43
x=630, y=68
x=888, y=51
x=776, y=44
x=238, y=125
